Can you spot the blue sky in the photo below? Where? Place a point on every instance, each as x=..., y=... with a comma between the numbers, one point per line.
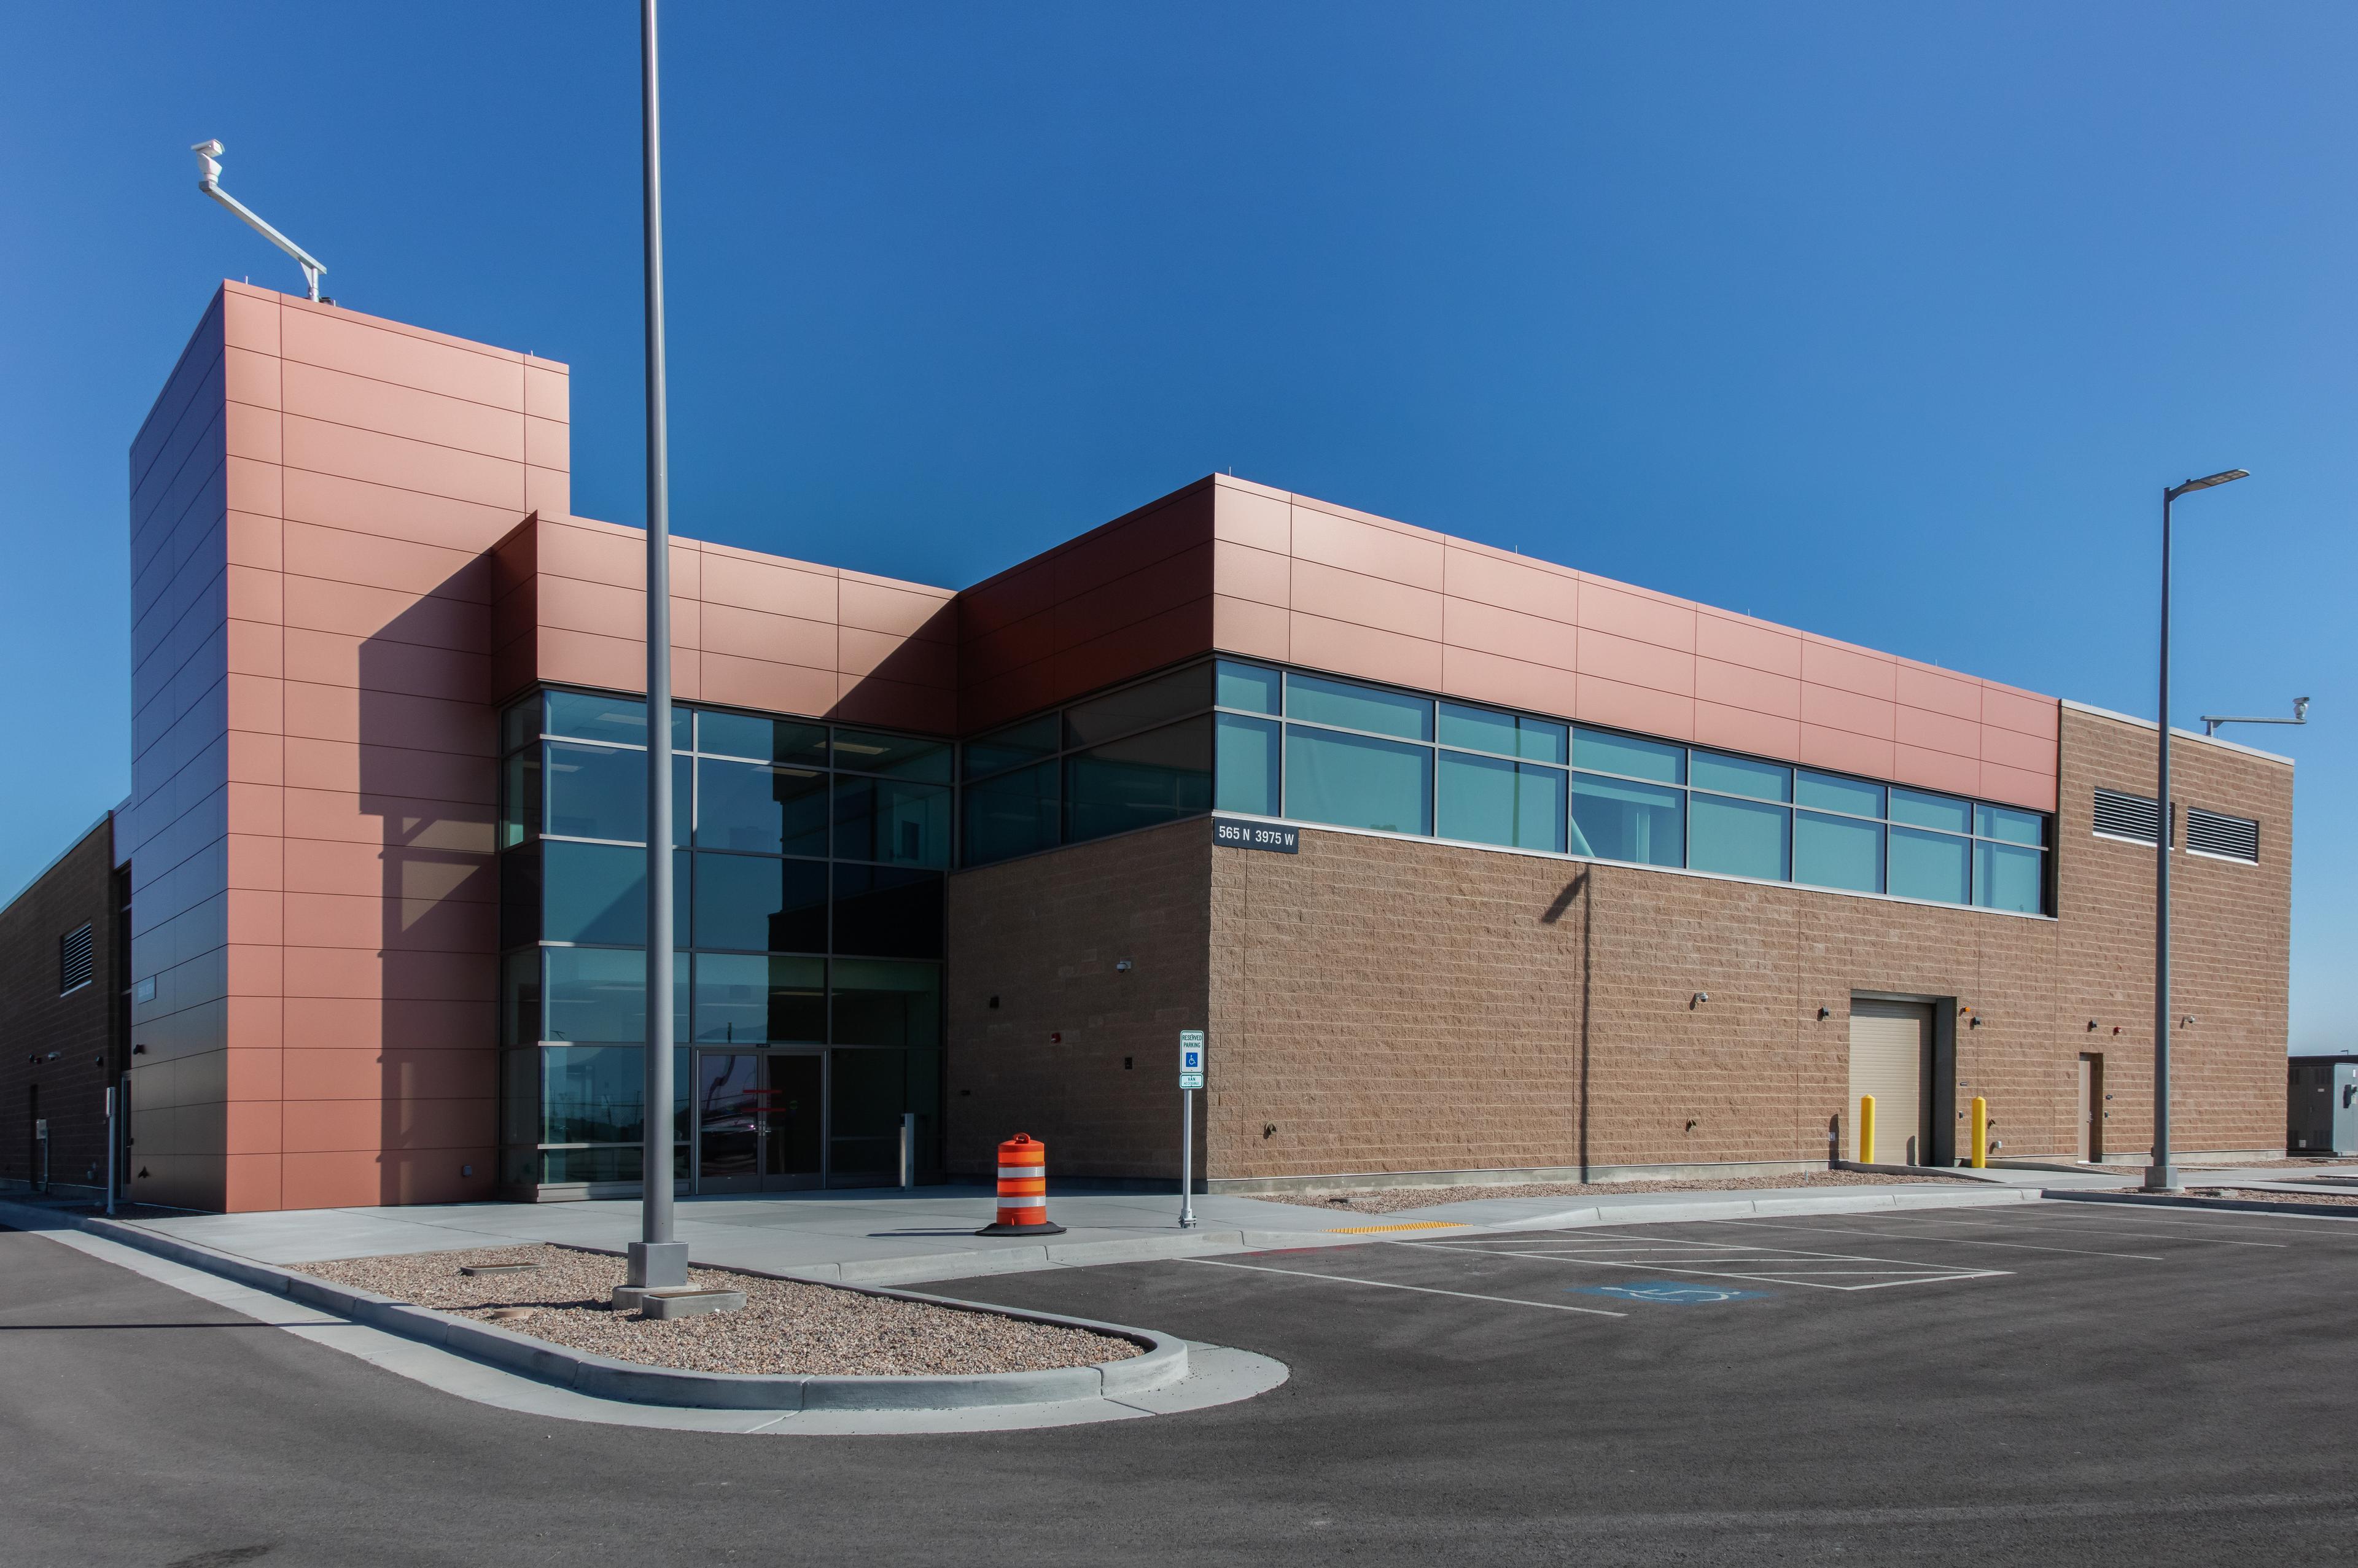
x=1885, y=321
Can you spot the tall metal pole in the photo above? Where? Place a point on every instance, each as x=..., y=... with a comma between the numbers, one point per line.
x=2158, y=1176
x=1187, y=1159
x=656, y=1259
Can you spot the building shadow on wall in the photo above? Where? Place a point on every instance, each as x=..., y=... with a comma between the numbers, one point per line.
x=1576, y=895
x=429, y=778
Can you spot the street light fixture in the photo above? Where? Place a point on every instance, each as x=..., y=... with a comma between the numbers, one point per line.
x=2161, y=1176
x=208, y=169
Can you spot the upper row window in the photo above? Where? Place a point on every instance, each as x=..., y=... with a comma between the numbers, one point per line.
x=622, y=721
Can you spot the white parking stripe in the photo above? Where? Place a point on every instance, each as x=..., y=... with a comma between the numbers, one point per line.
x=2172, y=1233
x=1732, y=1260
x=1944, y=1241
x=1390, y=1285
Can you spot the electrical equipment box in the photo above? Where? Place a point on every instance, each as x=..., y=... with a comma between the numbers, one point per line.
x=2322, y=1105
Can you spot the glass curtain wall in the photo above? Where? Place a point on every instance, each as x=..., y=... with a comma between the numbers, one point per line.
x=808, y=862
x=1132, y=758
x=1313, y=749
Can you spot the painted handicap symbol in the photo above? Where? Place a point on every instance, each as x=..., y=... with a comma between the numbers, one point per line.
x=1670, y=1292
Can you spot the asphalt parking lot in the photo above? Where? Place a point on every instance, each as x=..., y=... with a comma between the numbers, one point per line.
x=2059, y=1382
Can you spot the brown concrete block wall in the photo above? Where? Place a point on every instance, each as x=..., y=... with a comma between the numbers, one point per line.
x=77, y=1028
x=2231, y=941
x=1042, y=935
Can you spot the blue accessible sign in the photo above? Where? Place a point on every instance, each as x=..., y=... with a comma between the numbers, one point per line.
x=1669, y=1292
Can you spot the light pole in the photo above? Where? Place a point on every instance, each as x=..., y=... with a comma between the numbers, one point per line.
x=2161, y=1176
x=655, y=1260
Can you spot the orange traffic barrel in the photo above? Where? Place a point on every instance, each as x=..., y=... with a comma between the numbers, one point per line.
x=1022, y=1190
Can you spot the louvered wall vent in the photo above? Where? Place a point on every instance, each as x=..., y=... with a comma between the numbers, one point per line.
x=2227, y=837
x=73, y=960
x=2130, y=816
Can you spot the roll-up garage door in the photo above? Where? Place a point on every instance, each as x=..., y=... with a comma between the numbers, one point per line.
x=1890, y=1058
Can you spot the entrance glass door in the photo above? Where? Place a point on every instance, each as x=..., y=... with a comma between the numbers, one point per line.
x=759, y=1120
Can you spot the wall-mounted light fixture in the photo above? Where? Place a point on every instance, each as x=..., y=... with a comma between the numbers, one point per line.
x=2091, y=1026
x=139, y=1050
x=2186, y=1023
x=1973, y=1020
x=1121, y=966
x=1824, y=1014
x=994, y=1006
x=1699, y=999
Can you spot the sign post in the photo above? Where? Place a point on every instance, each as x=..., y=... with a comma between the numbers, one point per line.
x=1191, y=1079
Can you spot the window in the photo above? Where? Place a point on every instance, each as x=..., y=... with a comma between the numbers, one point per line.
x=746, y=999
x=1247, y=766
x=1488, y=800
x=1159, y=776
x=893, y=821
x=764, y=808
x=1838, y=851
x=75, y=965
x=1013, y=813
x=754, y=903
x=1358, y=781
x=2221, y=837
x=1346, y=704
x=1614, y=819
x=597, y=893
x=887, y=1004
x=1739, y=838
x=1931, y=866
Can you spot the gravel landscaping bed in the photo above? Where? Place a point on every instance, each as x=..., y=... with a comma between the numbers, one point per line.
x=787, y=1327
x=2267, y=1195
x=1395, y=1200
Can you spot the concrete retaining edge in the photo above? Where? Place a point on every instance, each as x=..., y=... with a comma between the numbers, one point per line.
x=1163, y=1359
x=2241, y=1206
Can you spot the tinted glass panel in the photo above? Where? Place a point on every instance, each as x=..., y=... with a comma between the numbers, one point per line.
x=1942, y=811
x=601, y=993
x=899, y=756
x=597, y=792
x=1741, y=775
x=520, y=797
x=521, y=723
x=1492, y=801
x=1831, y=792
x=887, y=911
x=598, y=893
x=1617, y=821
x=1353, y=781
x=1739, y=837
x=1835, y=852
x=1927, y=865
x=1139, y=706
x=754, y=903
x=520, y=997
x=762, y=740
x=891, y=820
x=1478, y=728
x=2013, y=827
x=520, y=1094
x=767, y=809
x=1248, y=766
x=1315, y=700
x=760, y=999
x=520, y=895
x=1015, y=745
x=1610, y=753
x=865, y=1093
x=625, y=718
x=2008, y=876
x=887, y=1004
x=591, y=1094
x=1247, y=687
x=1013, y=813
x=1159, y=776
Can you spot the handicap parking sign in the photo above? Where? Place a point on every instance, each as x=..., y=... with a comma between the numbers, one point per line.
x=1190, y=1059
x=1670, y=1292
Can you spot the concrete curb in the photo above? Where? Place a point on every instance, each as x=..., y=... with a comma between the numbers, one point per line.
x=1162, y=1362
x=1977, y=1197
x=2240, y=1206
x=1955, y=1173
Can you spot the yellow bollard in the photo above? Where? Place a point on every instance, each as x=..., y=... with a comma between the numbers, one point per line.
x=1981, y=1132
x=1866, y=1129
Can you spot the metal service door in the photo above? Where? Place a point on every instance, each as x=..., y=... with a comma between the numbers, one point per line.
x=1891, y=1058
x=2092, y=1106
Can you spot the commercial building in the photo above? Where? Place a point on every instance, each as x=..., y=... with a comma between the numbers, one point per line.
x=1467, y=862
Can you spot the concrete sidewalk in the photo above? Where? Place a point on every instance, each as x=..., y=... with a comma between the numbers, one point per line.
x=902, y=1238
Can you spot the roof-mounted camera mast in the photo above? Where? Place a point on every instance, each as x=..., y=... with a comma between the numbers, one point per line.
x=208, y=181
x=2211, y=722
